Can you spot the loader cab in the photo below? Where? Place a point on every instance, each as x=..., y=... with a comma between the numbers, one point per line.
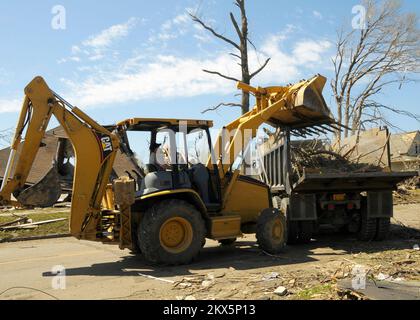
x=173, y=155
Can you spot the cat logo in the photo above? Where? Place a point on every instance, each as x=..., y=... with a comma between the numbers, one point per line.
x=106, y=144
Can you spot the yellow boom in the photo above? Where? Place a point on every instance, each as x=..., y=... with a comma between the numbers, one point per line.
x=297, y=105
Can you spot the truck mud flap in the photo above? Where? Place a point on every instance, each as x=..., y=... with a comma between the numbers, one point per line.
x=303, y=207
x=379, y=204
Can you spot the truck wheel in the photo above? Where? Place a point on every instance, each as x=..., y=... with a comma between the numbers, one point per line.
x=271, y=231
x=383, y=226
x=171, y=232
x=227, y=242
x=367, y=229
x=306, y=230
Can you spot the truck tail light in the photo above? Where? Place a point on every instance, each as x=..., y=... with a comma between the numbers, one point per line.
x=339, y=197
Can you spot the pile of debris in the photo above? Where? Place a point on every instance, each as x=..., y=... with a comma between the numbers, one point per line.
x=407, y=191
x=320, y=161
x=411, y=184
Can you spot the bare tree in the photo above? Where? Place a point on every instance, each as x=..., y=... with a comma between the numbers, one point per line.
x=241, y=53
x=384, y=52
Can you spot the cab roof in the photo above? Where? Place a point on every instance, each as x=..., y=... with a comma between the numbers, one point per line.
x=149, y=124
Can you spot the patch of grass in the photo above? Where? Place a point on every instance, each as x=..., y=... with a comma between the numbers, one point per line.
x=316, y=292
x=42, y=230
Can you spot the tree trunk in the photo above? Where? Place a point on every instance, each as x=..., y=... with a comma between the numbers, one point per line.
x=246, y=78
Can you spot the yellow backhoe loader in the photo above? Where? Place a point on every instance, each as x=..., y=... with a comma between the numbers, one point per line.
x=169, y=212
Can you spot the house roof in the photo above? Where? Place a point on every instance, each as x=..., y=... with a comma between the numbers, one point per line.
x=43, y=160
x=402, y=143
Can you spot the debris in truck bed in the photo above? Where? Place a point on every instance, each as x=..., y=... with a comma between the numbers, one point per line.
x=325, y=161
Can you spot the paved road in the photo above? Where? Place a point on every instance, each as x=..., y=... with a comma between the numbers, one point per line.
x=93, y=271
x=97, y=271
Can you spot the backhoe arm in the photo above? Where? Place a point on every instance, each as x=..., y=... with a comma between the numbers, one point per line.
x=94, y=147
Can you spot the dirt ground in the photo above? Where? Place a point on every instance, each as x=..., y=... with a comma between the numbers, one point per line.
x=241, y=271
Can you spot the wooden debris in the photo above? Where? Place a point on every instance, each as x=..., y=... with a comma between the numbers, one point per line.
x=30, y=225
x=315, y=158
x=156, y=278
x=6, y=224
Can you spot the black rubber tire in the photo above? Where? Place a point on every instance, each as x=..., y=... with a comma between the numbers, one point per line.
x=383, y=227
x=149, y=232
x=136, y=248
x=306, y=230
x=265, y=224
x=368, y=226
x=227, y=242
x=134, y=238
x=292, y=232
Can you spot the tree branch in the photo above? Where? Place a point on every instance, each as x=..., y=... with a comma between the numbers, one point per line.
x=221, y=75
x=236, y=26
x=385, y=53
x=210, y=29
x=260, y=69
x=222, y=105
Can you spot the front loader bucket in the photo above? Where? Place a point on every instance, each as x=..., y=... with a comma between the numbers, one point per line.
x=306, y=106
x=310, y=101
x=44, y=193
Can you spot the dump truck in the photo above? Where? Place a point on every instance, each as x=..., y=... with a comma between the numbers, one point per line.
x=166, y=214
x=359, y=202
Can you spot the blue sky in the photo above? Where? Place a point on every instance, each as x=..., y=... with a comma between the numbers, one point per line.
x=136, y=58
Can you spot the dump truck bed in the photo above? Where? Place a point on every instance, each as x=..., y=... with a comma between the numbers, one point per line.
x=344, y=182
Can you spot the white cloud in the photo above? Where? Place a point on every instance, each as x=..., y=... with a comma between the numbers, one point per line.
x=95, y=46
x=311, y=51
x=173, y=28
x=96, y=57
x=106, y=37
x=165, y=77
x=317, y=14
x=144, y=77
x=182, y=18
x=12, y=105
x=75, y=50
